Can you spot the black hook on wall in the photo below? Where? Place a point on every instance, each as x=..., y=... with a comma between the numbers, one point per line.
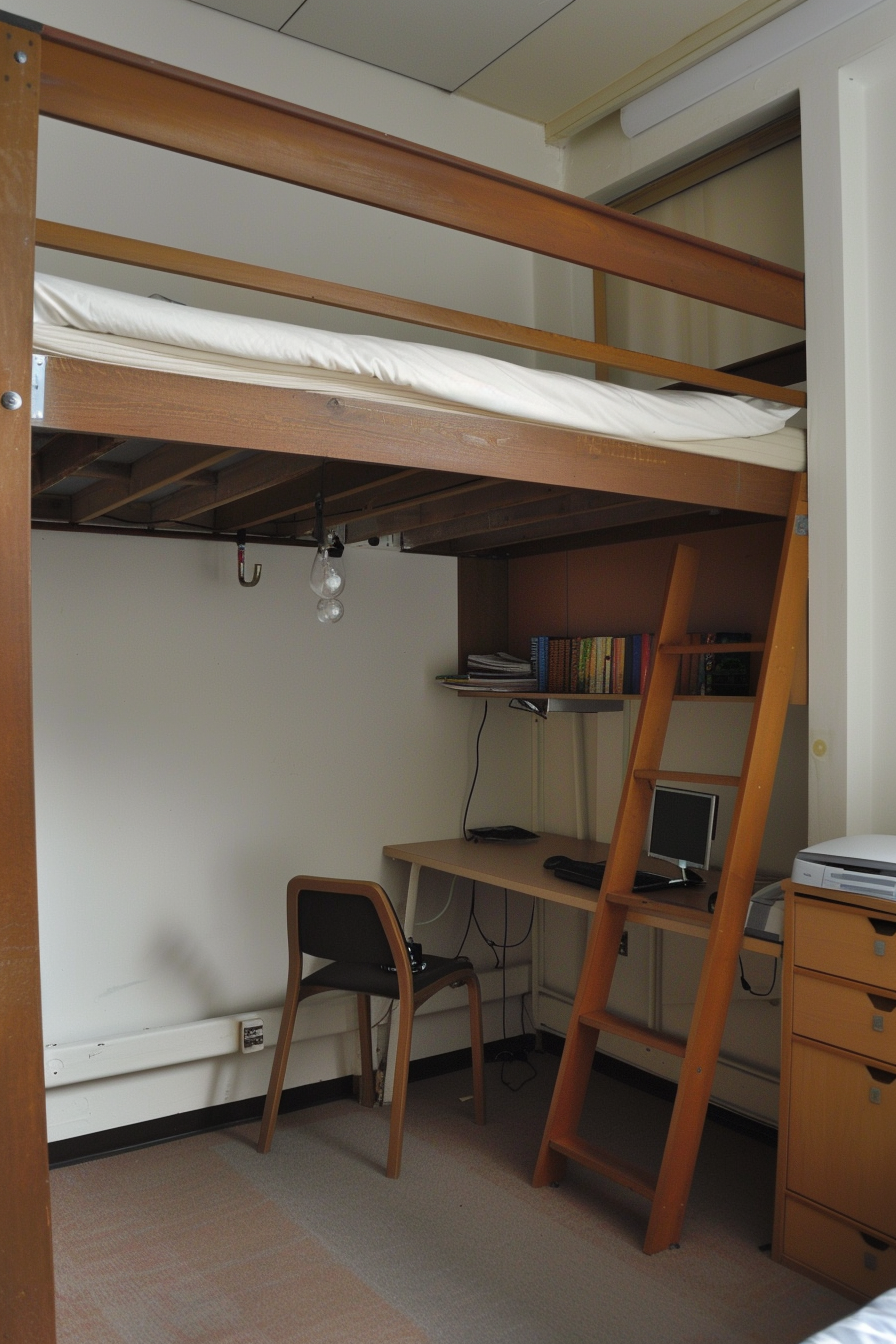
x=241, y=563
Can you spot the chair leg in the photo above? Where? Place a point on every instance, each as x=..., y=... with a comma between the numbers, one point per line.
x=284, y=1039
x=400, y=1088
x=365, y=1096
x=476, y=1045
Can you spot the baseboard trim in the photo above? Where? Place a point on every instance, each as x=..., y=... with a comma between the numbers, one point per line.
x=663, y=1087
x=146, y=1133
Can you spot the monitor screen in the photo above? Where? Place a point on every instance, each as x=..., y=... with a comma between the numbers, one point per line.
x=682, y=826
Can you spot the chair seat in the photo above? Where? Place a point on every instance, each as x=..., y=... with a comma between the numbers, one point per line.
x=364, y=979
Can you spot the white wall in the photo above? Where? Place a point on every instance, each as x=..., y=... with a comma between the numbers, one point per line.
x=196, y=745
x=852, y=727
x=868, y=103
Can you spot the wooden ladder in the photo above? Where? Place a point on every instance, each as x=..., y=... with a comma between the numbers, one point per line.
x=669, y=1191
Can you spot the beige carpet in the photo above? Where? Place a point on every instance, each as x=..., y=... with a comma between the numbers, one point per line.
x=203, y=1240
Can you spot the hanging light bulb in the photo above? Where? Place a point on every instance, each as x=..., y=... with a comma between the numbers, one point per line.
x=330, y=610
x=318, y=571
x=327, y=572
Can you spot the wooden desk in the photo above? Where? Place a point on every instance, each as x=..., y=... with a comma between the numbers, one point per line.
x=520, y=868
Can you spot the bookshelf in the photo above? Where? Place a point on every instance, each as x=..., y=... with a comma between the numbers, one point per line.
x=575, y=695
x=618, y=589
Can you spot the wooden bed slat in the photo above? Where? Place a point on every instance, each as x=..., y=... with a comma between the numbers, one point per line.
x=97, y=86
x=397, y=489
x=110, y=247
x=172, y=462
x=258, y=472
x=560, y=526
x=557, y=508
x=447, y=506
x=64, y=456
x=266, y=506
x=85, y=397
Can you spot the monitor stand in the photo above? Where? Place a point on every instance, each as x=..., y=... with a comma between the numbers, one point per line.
x=688, y=877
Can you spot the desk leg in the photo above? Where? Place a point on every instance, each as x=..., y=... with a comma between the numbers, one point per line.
x=387, y=1057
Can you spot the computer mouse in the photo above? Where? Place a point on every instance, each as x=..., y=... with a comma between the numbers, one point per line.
x=555, y=861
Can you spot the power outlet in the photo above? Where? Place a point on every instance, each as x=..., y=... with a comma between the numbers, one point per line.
x=623, y=944
x=251, y=1035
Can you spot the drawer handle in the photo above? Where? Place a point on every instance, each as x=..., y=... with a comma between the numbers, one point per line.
x=883, y=1006
x=885, y=927
x=874, y=1242
x=879, y=1076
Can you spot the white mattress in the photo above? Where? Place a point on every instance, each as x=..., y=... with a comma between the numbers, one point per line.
x=874, y=1324
x=105, y=325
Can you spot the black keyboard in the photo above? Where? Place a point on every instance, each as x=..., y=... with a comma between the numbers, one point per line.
x=592, y=874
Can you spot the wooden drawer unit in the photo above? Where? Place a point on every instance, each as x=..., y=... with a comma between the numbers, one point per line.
x=835, y=1210
x=854, y=1260
x=855, y=944
x=856, y=1018
x=842, y=1138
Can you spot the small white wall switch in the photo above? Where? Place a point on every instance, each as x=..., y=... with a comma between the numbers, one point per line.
x=251, y=1035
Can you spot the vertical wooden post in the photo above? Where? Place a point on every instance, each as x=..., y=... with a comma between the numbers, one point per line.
x=601, y=371
x=26, y=1263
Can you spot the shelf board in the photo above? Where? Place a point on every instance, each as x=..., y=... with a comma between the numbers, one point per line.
x=569, y=695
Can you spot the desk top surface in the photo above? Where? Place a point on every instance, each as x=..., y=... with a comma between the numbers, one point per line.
x=519, y=867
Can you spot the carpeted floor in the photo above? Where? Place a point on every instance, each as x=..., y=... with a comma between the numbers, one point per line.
x=202, y=1240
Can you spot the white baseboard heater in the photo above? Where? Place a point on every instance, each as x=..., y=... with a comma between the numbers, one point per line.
x=324, y=1015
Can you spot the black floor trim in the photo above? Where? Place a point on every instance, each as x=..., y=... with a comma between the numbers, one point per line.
x=146, y=1133
x=663, y=1087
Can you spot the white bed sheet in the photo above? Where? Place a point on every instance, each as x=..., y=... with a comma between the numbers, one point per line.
x=874, y=1324
x=90, y=322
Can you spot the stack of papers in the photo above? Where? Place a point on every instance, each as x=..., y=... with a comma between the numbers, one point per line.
x=494, y=672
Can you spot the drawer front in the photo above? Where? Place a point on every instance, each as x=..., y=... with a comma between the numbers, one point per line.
x=821, y=1242
x=845, y=942
x=842, y=1136
x=854, y=1019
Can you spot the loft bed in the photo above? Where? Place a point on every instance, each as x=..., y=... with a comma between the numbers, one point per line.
x=231, y=455
x=112, y=366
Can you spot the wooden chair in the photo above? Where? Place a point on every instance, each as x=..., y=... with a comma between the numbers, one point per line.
x=354, y=926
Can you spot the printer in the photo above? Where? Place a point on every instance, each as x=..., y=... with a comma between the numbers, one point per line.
x=865, y=864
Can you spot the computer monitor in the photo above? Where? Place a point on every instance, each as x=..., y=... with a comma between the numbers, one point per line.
x=682, y=829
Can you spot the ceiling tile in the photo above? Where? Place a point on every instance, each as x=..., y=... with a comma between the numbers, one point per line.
x=441, y=42
x=267, y=13
x=585, y=48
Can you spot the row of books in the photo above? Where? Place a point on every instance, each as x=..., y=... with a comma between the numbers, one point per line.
x=618, y=664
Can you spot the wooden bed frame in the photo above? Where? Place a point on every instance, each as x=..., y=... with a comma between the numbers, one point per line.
x=434, y=476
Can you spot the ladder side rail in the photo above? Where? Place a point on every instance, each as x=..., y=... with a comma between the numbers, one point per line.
x=735, y=887
x=596, y=976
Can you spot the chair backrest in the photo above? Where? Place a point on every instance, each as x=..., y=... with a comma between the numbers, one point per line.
x=345, y=925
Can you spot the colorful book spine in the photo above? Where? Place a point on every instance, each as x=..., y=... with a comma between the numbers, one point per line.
x=619, y=665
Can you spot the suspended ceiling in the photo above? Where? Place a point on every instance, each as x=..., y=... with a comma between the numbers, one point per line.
x=538, y=59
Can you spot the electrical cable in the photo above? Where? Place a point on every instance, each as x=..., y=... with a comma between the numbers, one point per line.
x=476, y=771
x=469, y=921
x=507, y=1056
x=745, y=984
x=421, y=923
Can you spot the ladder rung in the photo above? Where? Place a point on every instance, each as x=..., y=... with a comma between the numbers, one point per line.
x=688, y=777
x=752, y=647
x=682, y=914
x=605, y=1164
x=620, y=1026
